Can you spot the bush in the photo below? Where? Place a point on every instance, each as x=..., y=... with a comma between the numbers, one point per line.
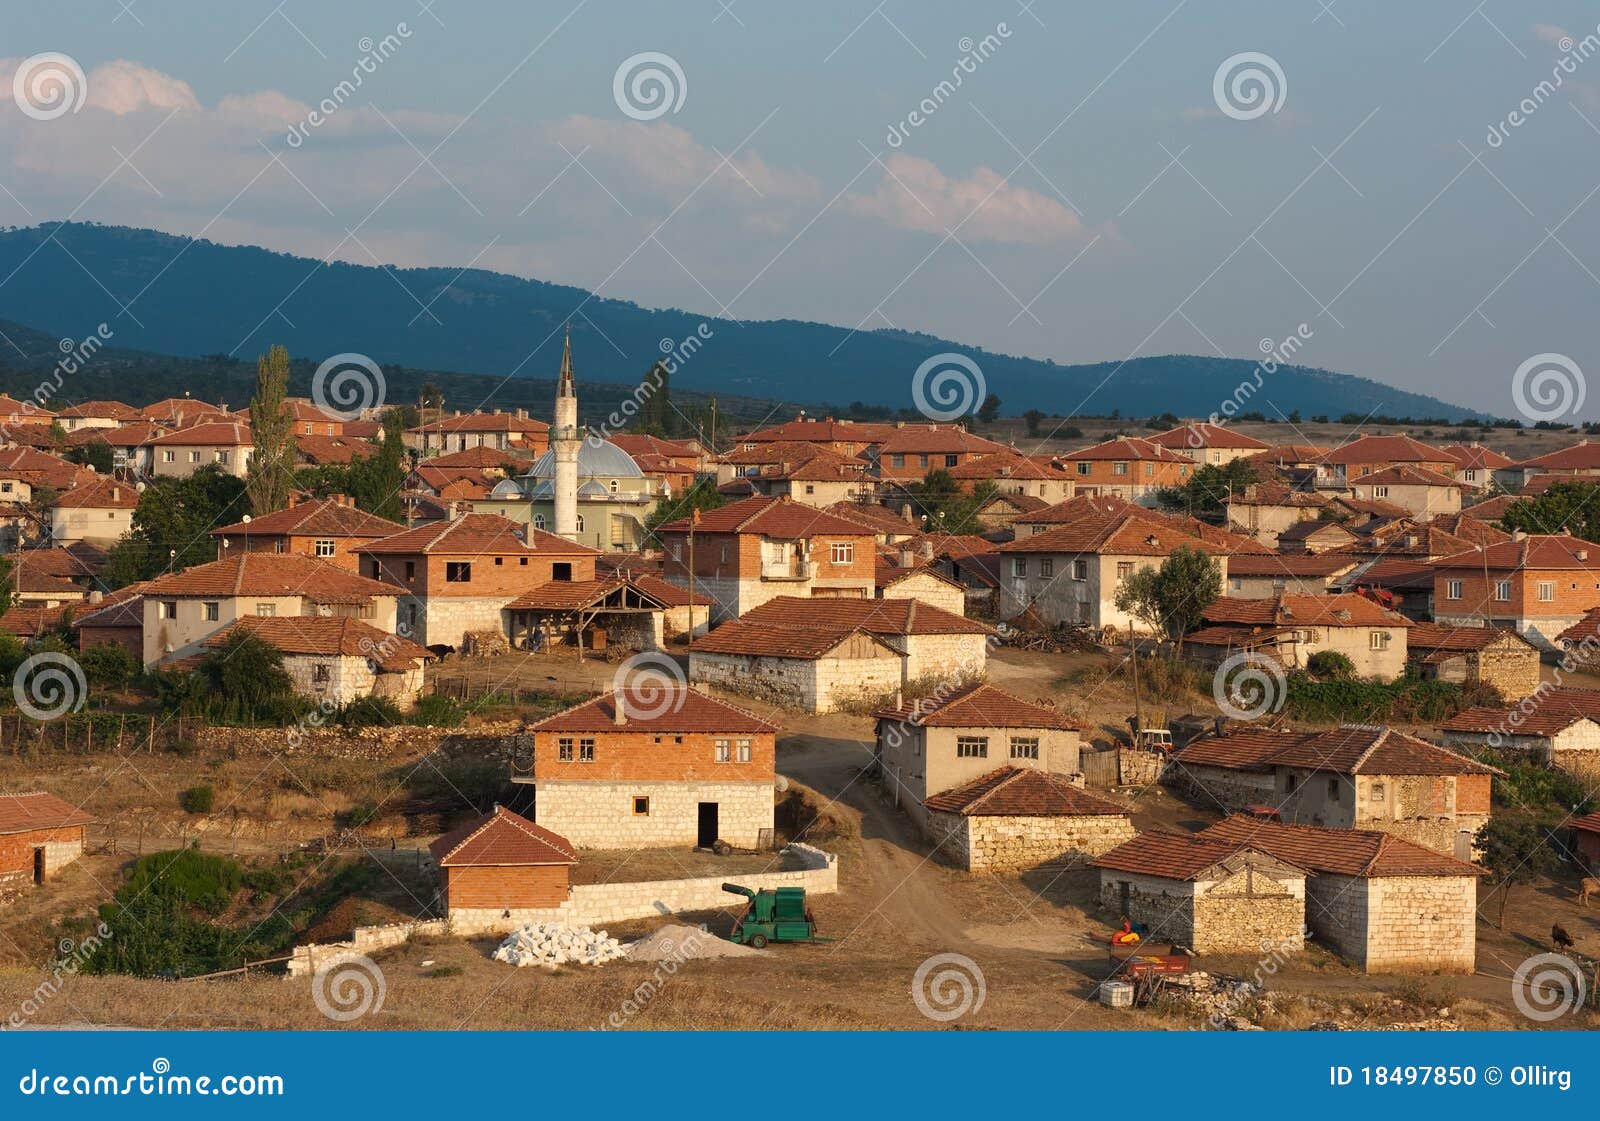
x=1408, y=700
x=197, y=799
x=438, y=711
x=109, y=663
x=1330, y=665
x=369, y=712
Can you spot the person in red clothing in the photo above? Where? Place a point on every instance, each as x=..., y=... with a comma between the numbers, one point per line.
x=1126, y=935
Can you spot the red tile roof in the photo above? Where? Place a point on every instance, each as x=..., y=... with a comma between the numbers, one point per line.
x=330, y=636
x=1386, y=449
x=1407, y=475
x=668, y=708
x=1589, y=823
x=1547, y=551
x=123, y=436
x=1582, y=456
x=483, y=422
x=879, y=519
x=100, y=494
x=1542, y=720
x=1476, y=456
x=1292, y=564
x=218, y=434
x=1129, y=448
x=331, y=449
x=1175, y=856
x=769, y=517
x=1023, y=792
x=271, y=574
x=10, y=406
x=1287, y=609
x=321, y=517
x=1351, y=749
x=979, y=706
x=1491, y=509
x=1115, y=535
x=1202, y=434
x=477, y=535
x=26, y=621
x=22, y=813
x=501, y=838
x=917, y=439
x=481, y=457
x=876, y=616
x=1339, y=852
x=1425, y=637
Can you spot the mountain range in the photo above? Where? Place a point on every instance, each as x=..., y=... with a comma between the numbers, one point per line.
x=169, y=295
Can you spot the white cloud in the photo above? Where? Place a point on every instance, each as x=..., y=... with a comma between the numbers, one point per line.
x=1550, y=33
x=914, y=194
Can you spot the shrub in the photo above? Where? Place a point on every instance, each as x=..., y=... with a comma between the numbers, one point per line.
x=369, y=712
x=1330, y=665
x=437, y=710
x=197, y=799
x=109, y=663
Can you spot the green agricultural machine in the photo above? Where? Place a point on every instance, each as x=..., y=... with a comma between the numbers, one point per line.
x=774, y=915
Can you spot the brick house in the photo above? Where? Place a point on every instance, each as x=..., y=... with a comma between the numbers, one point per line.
x=501, y=865
x=1204, y=443
x=847, y=437
x=655, y=768
x=821, y=480
x=1212, y=896
x=1126, y=467
x=39, y=835
x=1014, y=474
x=99, y=511
x=177, y=455
x=116, y=617
x=337, y=660
x=1014, y=818
x=1474, y=655
x=747, y=553
x=457, y=576
x=911, y=451
x=1383, y=903
x=1555, y=726
x=183, y=609
x=1293, y=628
x=1535, y=584
x=1425, y=493
x=330, y=529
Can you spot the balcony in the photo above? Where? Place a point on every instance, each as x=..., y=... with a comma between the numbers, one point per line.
x=786, y=570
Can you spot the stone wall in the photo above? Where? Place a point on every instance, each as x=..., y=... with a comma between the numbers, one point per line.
x=997, y=844
x=1422, y=924
x=1249, y=911
x=446, y=619
x=601, y=814
x=503, y=736
x=1231, y=790
x=810, y=685
x=1338, y=913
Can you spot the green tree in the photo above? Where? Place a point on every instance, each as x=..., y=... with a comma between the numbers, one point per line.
x=702, y=496
x=1209, y=487
x=949, y=508
x=271, y=473
x=96, y=454
x=655, y=416
x=172, y=525
x=1517, y=849
x=1172, y=598
x=1035, y=418
x=1565, y=506
x=990, y=409
x=244, y=682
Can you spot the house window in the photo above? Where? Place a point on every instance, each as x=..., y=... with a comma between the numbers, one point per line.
x=1119, y=468
x=580, y=523
x=1084, y=468
x=744, y=751
x=677, y=551
x=1149, y=470
x=1024, y=747
x=1047, y=566
x=1378, y=640
x=411, y=570
x=324, y=547
x=1333, y=788
x=266, y=610
x=222, y=457
x=724, y=751
x=586, y=750
x=922, y=461
x=972, y=747
x=1080, y=569
x=1502, y=589
x=210, y=611
x=458, y=572
x=169, y=456
x=952, y=460
x=1124, y=569
x=810, y=489
x=321, y=674
x=641, y=805
x=538, y=521
x=613, y=486
x=167, y=609
x=1238, y=584
x=564, y=750
x=1380, y=492
x=1019, y=566
x=1547, y=590
x=1471, y=475
x=1377, y=792
x=724, y=552
x=1452, y=589
x=842, y=552
x=194, y=457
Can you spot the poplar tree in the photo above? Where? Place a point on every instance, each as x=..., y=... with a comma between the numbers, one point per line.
x=271, y=473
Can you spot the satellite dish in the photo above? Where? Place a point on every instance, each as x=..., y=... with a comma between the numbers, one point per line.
x=247, y=517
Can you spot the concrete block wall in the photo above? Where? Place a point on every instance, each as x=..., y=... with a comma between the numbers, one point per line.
x=600, y=814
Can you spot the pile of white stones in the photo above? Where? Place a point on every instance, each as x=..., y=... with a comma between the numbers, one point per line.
x=552, y=943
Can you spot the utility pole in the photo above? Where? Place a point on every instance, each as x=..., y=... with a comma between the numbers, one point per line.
x=1138, y=713
x=694, y=520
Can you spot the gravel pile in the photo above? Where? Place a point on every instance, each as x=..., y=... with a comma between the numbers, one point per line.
x=553, y=943
x=684, y=943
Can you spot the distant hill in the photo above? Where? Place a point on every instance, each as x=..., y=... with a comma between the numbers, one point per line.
x=208, y=299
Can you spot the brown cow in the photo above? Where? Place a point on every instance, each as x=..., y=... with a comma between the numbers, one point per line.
x=1589, y=886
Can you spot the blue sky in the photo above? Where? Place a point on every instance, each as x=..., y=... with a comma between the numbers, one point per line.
x=1370, y=206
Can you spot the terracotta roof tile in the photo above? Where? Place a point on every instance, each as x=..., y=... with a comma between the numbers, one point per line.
x=501, y=838
x=219, y=433
x=1340, y=852
x=326, y=635
x=477, y=535
x=1129, y=448
x=769, y=517
x=669, y=708
x=979, y=705
x=20, y=813
x=271, y=574
x=1023, y=792
x=1386, y=449
x=100, y=494
x=1548, y=551
x=322, y=517
x=1172, y=856
x=1202, y=434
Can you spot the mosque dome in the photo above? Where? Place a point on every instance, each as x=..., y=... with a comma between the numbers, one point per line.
x=597, y=459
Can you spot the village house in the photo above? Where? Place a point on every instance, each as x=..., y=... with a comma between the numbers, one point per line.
x=14, y=412
x=1206, y=443
x=1210, y=896
x=1013, y=819
x=647, y=767
x=1424, y=493
x=100, y=511
x=1478, y=467
x=1557, y=727
x=499, y=430
x=613, y=497
x=96, y=414
x=1126, y=467
x=181, y=412
x=177, y=455
x=1317, y=537
x=318, y=451
x=337, y=660
x=1293, y=628
x=821, y=655
x=1001, y=511
x=27, y=470
x=1580, y=462
x=889, y=529
x=905, y=574
x=1536, y=584
x=1262, y=575
x=689, y=455
x=502, y=869
x=1586, y=833
x=1076, y=509
x=37, y=579
x=820, y=481
x=1353, y=777
x=330, y=529
x=116, y=617
x=457, y=576
x=39, y=835
x=911, y=452
x=636, y=612
x=183, y=609
x=129, y=444
x=1070, y=574
x=1381, y=902
x=1474, y=656
x=847, y=437
x=1014, y=475
x=747, y=553
x=1267, y=510
x=1368, y=455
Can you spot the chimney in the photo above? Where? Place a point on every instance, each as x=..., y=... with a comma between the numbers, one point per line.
x=621, y=713
x=905, y=559
x=96, y=596
x=522, y=414
x=1583, y=554
x=1519, y=535
x=907, y=514
x=453, y=509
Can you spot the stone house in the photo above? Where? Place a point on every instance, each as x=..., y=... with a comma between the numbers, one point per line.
x=907, y=575
x=183, y=609
x=100, y=511
x=1002, y=511
x=630, y=611
x=1474, y=655
x=39, y=835
x=499, y=430
x=1015, y=818
x=1548, y=727
x=1292, y=629
x=1426, y=494
x=1264, y=575
x=925, y=747
x=1212, y=896
x=499, y=866
x=177, y=455
x=1267, y=510
x=655, y=767
x=747, y=553
x=1383, y=903
x=331, y=529
x=1126, y=467
x=459, y=575
x=1012, y=473
x=1536, y=584
x=338, y=660
x=1205, y=443
x=1316, y=537
x=821, y=655
x=1070, y=574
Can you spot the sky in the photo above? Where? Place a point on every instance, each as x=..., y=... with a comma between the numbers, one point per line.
x=1095, y=186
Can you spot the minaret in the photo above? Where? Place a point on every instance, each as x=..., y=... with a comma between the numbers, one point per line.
x=565, y=441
